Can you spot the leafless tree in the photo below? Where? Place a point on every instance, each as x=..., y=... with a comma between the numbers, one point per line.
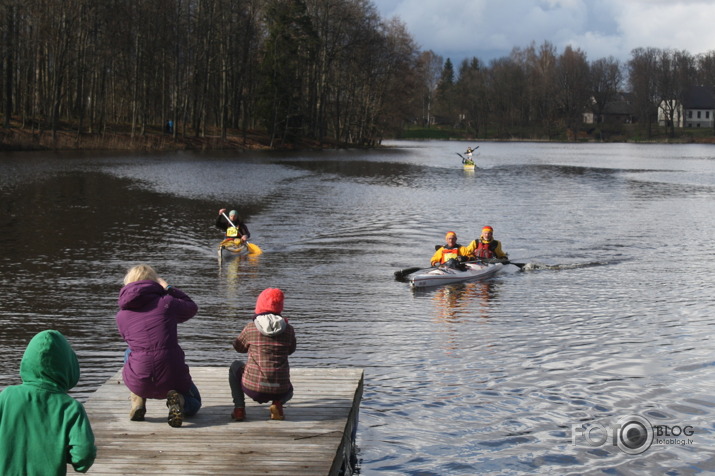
x=540, y=68
x=605, y=83
x=642, y=74
x=505, y=84
x=472, y=90
x=674, y=77
x=430, y=68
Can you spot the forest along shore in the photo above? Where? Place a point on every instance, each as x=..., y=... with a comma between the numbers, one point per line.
x=23, y=139
x=15, y=139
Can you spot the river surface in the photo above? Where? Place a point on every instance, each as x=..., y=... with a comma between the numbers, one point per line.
x=611, y=321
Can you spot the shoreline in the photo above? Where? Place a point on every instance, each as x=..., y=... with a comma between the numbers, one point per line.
x=19, y=140
x=23, y=140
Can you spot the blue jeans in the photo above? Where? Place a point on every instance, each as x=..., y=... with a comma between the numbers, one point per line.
x=192, y=401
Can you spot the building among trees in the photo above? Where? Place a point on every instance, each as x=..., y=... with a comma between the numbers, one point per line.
x=617, y=111
x=696, y=109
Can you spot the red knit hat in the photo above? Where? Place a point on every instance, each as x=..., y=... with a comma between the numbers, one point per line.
x=487, y=228
x=270, y=300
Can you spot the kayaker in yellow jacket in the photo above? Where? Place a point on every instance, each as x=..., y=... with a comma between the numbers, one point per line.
x=451, y=253
x=486, y=246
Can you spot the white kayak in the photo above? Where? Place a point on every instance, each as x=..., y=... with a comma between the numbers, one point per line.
x=445, y=275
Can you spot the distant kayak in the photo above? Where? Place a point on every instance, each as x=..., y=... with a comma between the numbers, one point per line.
x=444, y=275
x=468, y=161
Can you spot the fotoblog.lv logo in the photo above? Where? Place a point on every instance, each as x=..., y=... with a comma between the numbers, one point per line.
x=633, y=434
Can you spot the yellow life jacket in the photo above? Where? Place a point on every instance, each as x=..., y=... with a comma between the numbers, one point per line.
x=449, y=253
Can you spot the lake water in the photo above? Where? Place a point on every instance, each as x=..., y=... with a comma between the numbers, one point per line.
x=611, y=322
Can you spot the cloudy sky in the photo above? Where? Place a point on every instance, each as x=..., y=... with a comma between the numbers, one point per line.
x=489, y=29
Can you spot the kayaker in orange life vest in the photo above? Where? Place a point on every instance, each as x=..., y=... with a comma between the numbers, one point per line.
x=486, y=246
x=450, y=254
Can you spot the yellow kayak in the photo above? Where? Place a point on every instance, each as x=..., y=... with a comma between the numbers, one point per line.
x=232, y=247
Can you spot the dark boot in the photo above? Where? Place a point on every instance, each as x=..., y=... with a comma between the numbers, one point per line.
x=175, y=403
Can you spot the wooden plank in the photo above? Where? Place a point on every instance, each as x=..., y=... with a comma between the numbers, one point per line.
x=316, y=438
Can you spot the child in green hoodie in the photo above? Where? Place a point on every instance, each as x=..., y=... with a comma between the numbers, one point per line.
x=42, y=428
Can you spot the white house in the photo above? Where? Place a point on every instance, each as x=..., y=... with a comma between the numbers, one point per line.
x=696, y=110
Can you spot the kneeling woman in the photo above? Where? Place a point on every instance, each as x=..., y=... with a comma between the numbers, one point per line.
x=150, y=311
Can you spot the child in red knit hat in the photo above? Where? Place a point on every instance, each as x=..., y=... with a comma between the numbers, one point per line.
x=268, y=340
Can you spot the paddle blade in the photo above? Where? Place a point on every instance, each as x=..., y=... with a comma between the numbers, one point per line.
x=504, y=261
x=254, y=249
x=520, y=265
x=401, y=275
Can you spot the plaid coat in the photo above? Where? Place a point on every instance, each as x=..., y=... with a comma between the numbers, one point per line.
x=267, y=369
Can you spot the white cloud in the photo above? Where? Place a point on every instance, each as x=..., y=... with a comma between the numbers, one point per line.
x=601, y=28
x=685, y=25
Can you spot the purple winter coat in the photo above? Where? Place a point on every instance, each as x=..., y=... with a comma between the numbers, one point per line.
x=147, y=320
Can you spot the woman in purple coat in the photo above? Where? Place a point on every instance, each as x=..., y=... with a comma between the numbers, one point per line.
x=149, y=313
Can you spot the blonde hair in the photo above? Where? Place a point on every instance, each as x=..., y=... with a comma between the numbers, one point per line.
x=140, y=272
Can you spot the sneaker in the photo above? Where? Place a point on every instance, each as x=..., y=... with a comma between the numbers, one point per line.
x=277, y=411
x=176, y=410
x=238, y=414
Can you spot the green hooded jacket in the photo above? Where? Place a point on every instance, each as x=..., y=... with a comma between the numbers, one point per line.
x=42, y=428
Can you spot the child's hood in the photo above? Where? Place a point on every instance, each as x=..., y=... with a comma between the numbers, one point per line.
x=49, y=362
x=270, y=324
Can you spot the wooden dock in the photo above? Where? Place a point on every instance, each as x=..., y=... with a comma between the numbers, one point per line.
x=316, y=438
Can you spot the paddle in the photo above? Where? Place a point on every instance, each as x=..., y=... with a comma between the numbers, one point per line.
x=485, y=260
x=467, y=161
x=520, y=265
x=475, y=148
x=503, y=261
x=401, y=275
x=252, y=249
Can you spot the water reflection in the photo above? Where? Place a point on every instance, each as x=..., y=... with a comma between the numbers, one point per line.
x=238, y=269
x=455, y=302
